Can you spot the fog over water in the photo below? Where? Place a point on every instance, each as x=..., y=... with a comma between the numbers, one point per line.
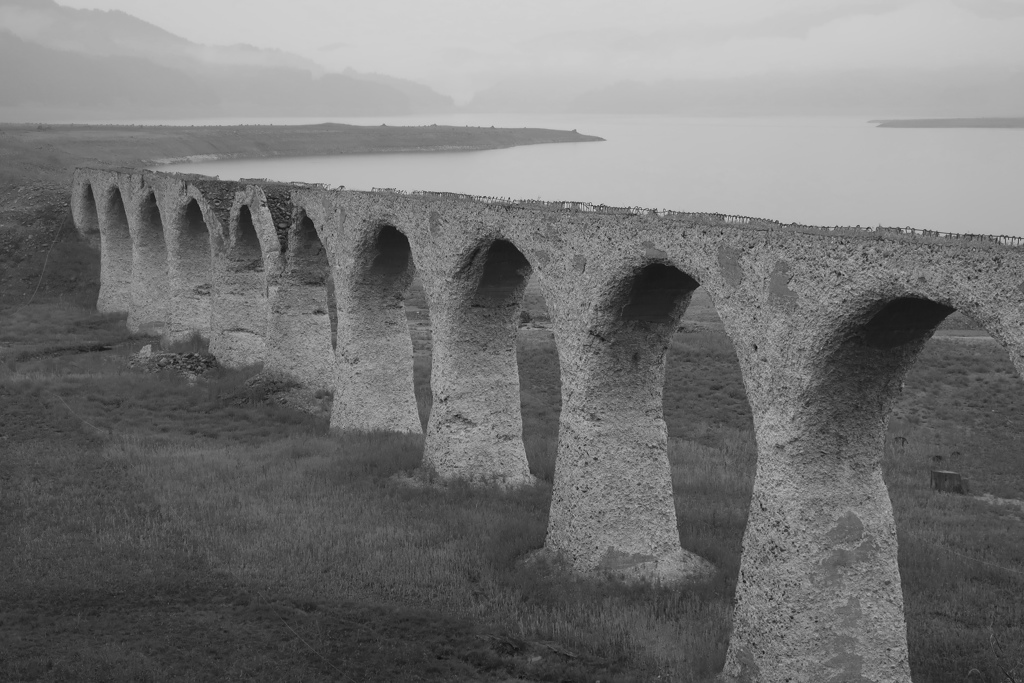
x=821, y=171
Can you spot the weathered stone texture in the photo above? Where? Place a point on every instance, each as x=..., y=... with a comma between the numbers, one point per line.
x=99, y=213
x=148, y=307
x=249, y=262
x=474, y=322
x=825, y=326
x=299, y=336
x=371, y=268
x=193, y=234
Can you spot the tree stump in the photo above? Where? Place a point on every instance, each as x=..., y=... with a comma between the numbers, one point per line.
x=948, y=482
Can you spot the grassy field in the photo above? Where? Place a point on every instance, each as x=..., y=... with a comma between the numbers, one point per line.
x=155, y=529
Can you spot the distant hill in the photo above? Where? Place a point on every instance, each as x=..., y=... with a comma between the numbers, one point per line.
x=102, y=64
x=1009, y=122
x=871, y=92
x=961, y=92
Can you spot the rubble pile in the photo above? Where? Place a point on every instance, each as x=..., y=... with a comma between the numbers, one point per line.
x=190, y=365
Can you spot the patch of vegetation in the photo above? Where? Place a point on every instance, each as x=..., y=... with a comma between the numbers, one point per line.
x=157, y=529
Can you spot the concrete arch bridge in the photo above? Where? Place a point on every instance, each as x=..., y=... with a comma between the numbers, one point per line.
x=825, y=322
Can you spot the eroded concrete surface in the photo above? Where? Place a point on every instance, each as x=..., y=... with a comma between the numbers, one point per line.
x=825, y=325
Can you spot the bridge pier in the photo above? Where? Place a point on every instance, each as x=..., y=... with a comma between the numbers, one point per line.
x=244, y=264
x=115, y=254
x=148, y=306
x=819, y=594
x=99, y=214
x=612, y=509
x=476, y=427
x=374, y=389
x=193, y=233
x=825, y=326
x=299, y=338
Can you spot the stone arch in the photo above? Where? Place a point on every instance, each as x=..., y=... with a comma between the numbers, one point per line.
x=239, y=313
x=115, y=254
x=375, y=389
x=855, y=384
x=821, y=509
x=299, y=327
x=475, y=430
x=148, y=307
x=612, y=507
x=191, y=273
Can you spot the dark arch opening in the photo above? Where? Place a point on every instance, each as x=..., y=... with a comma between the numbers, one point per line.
x=90, y=216
x=656, y=293
x=869, y=362
x=505, y=274
x=307, y=263
x=195, y=224
x=393, y=253
x=246, y=240
x=118, y=216
x=152, y=225
x=245, y=253
x=902, y=321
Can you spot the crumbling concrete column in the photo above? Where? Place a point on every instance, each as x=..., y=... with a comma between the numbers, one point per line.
x=819, y=595
x=475, y=430
x=115, y=254
x=100, y=217
x=190, y=250
x=84, y=211
x=374, y=349
x=299, y=341
x=250, y=255
x=147, y=311
x=612, y=508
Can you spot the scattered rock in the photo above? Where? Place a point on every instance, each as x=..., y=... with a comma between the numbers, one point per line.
x=190, y=365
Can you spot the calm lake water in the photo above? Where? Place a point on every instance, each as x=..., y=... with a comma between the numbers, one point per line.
x=823, y=171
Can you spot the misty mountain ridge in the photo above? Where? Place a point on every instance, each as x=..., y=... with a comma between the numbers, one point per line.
x=868, y=92
x=61, y=62
x=112, y=64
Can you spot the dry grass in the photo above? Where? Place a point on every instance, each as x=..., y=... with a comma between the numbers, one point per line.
x=239, y=516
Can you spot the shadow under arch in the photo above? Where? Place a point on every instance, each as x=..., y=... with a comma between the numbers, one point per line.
x=191, y=272
x=375, y=381
x=475, y=430
x=87, y=219
x=301, y=324
x=612, y=505
x=240, y=309
x=148, y=310
x=855, y=385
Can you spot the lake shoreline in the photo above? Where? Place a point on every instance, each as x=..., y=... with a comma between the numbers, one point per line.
x=981, y=122
x=35, y=152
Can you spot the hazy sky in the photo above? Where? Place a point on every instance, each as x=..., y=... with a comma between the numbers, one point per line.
x=460, y=46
